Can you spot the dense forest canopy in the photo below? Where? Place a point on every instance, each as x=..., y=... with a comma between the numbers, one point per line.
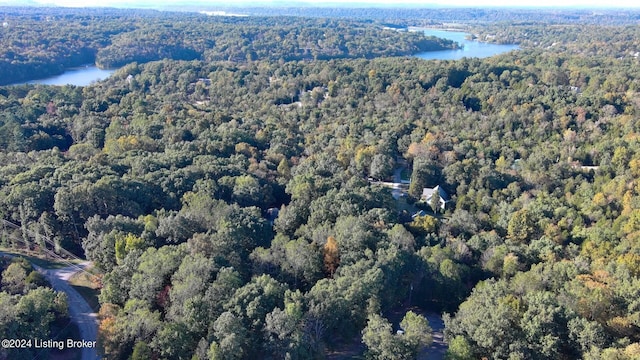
x=168, y=176
x=420, y=16
x=37, y=43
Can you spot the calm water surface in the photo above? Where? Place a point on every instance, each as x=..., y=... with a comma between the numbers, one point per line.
x=80, y=76
x=85, y=75
x=469, y=48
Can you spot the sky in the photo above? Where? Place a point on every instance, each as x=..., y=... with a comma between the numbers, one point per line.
x=352, y=3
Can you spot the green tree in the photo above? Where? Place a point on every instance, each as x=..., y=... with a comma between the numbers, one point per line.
x=416, y=333
x=174, y=340
x=150, y=280
x=232, y=338
x=127, y=243
x=459, y=349
x=382, y=343
x=434, y=203
x=141, y=351
x=379, y=339
x=14, y=278
x=520, y=226
x=187, y=294
x=381, y=166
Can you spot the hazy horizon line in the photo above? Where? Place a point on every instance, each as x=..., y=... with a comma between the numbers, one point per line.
x=353, y=4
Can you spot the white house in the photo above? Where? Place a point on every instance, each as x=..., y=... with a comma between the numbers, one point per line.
x=427, y=195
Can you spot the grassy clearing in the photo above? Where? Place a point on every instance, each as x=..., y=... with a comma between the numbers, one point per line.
x=88, y=286
x=90, y=296
x=402, y=204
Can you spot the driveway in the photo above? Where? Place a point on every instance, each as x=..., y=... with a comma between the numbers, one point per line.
x=438, y=348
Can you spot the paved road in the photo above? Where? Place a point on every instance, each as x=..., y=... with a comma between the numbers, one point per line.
x=397, y=179
x=79, y=310
x=438, y=349
x=397, y=174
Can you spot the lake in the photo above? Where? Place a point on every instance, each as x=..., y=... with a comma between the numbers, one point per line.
x=85, y=75
x=80, y=76
x=469, y=48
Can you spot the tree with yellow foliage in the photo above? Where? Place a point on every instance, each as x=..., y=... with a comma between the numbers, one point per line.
x=331, y=256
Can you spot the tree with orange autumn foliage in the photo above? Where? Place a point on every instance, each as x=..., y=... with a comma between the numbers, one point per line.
x=331, y=256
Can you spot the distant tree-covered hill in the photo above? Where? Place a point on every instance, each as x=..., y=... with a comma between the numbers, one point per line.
x=37, y=43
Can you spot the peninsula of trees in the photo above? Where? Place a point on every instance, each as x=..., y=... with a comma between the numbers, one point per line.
x=36, y=43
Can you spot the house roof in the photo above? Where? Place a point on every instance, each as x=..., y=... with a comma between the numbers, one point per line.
x=427, y=193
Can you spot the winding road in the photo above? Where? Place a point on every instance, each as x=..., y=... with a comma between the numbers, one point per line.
x=79, y=310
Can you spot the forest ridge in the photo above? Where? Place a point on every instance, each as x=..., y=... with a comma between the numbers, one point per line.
x=169, y=175
x=38, y=43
